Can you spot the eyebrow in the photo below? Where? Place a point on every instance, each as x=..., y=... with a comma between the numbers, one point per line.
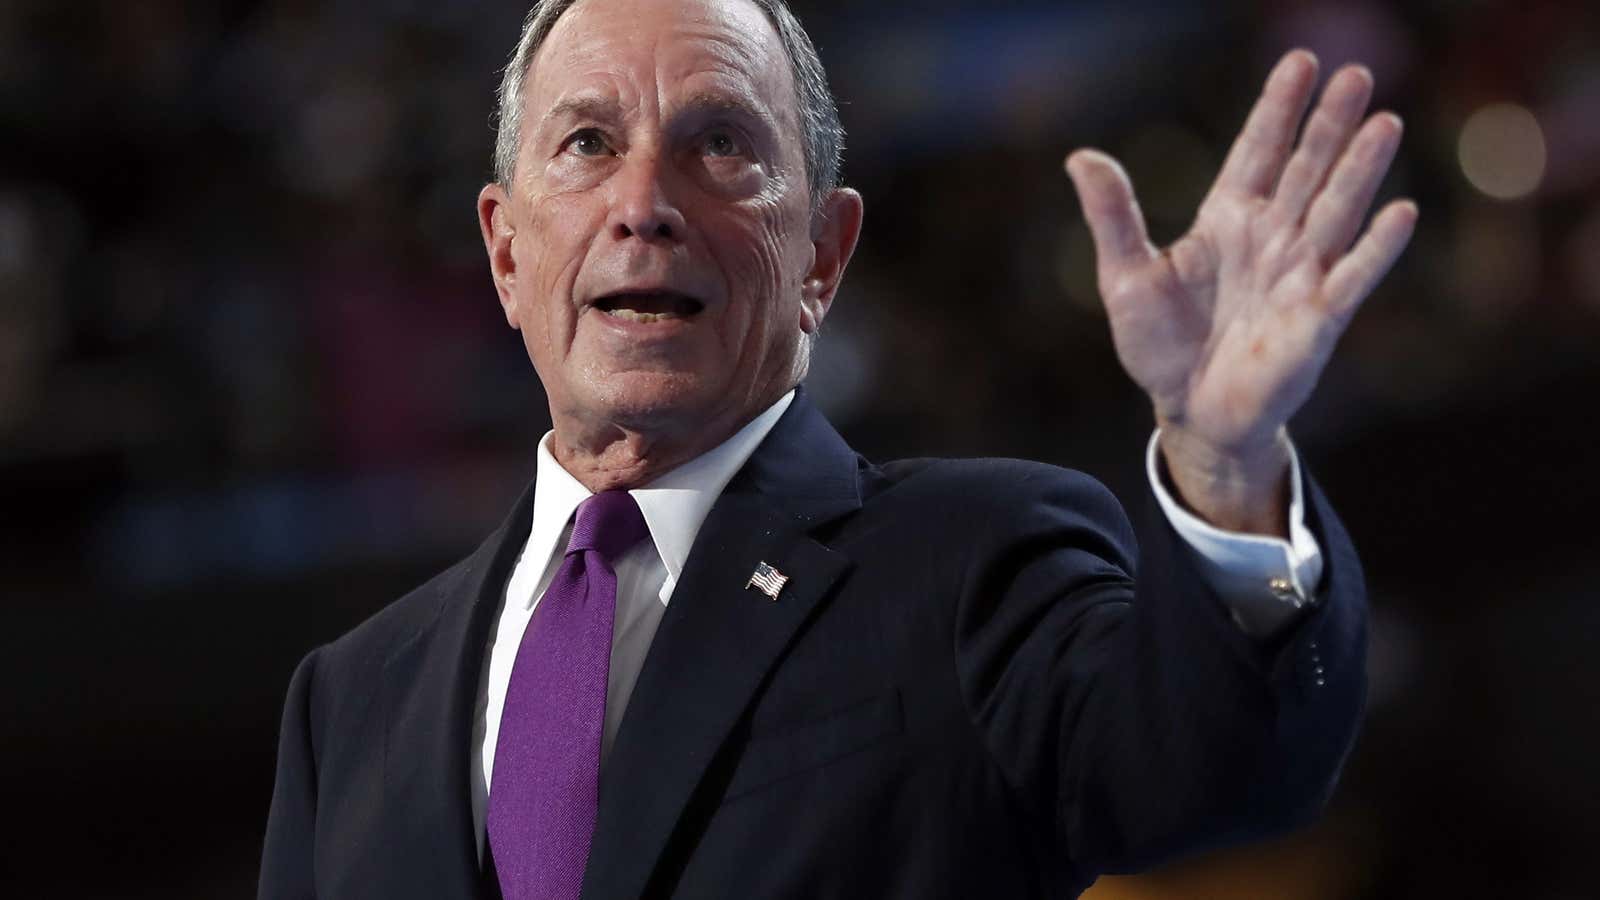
x=703, y=102
x=583, y=106
x=597, y=107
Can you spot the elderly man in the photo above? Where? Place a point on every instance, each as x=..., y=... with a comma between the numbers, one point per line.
x=713, y=652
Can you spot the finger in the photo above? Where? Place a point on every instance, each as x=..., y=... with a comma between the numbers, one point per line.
x=1326, y=135
x=1339, y=208
x=1258, y=154
x=1354, y=276
x=1120, y=241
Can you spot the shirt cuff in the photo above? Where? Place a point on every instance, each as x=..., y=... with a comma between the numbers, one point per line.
x=1264, y=581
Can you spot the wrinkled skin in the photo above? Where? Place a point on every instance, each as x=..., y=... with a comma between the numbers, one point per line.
x=661, y=152
x=1228, y=328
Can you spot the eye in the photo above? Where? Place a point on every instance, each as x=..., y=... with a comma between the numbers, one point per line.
x=588, y=142
x=722, y=143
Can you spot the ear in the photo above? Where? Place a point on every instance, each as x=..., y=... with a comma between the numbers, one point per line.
x=835, y=227
x=499, y=231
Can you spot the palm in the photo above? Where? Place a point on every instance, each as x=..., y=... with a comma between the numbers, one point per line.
x=1228, y=328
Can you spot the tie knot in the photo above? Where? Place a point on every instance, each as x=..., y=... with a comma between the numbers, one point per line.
x=608, y=523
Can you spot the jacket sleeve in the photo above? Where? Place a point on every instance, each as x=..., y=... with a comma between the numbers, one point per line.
x=1127, y=710
x=286, y=859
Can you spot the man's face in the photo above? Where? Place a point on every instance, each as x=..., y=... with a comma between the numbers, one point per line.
x=655, y=248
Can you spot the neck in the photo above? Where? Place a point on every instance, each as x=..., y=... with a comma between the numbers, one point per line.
x=624, y=459
x=606, y=456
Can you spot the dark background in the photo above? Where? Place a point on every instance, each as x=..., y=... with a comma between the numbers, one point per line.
x=254, y=382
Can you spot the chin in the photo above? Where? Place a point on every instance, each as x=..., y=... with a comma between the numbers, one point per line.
x=654, y=401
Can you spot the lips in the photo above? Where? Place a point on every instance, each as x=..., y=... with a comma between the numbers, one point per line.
x=648, y=305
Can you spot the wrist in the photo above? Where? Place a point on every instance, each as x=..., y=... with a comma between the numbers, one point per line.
x=1237, y=488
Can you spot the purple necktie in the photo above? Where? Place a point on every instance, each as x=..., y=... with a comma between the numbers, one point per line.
x=546, y=788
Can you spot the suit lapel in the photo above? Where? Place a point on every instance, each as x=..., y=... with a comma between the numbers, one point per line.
x=429, y=691
x=718, y=639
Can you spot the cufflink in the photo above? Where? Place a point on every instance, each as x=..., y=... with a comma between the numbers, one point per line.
x=1284, y=590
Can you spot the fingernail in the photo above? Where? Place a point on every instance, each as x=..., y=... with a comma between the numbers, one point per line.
x=1303, y=53
x=1360, y=70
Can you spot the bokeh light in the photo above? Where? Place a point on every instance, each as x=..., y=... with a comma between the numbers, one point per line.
x=1502, y=151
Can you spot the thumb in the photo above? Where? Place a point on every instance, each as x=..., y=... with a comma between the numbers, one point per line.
x=1109, y=206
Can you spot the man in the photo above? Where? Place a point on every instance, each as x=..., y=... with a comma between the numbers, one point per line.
x=763, y=666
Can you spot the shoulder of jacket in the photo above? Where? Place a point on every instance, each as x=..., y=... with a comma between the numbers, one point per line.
x=983, y=480
x=402, y=619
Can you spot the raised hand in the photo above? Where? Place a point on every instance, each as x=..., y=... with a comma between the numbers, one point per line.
x=1228, y=328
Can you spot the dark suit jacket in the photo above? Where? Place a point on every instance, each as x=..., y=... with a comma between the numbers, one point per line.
x=963, y=691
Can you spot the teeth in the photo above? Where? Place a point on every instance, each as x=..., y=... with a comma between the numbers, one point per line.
x=635, y=316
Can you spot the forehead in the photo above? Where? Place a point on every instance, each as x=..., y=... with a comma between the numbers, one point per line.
x=665, y=48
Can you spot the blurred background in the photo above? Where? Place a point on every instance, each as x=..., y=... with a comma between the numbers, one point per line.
x=254, y=382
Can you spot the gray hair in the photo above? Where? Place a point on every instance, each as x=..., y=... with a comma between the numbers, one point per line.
x=821, y=135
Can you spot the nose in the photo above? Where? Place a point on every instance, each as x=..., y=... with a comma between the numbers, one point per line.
x=642, y=206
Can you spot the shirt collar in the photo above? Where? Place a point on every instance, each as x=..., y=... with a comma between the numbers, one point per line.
x=675, y=504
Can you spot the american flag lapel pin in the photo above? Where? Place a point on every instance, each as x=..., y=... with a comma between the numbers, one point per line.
x=767, y=580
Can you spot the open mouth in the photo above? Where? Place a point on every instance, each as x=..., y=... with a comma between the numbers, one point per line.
x=648, y=306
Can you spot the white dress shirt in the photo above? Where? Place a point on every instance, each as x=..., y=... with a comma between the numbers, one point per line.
x=1261, y=579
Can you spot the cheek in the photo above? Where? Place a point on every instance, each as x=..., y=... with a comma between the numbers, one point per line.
x=765, y=272
x=551, y=258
